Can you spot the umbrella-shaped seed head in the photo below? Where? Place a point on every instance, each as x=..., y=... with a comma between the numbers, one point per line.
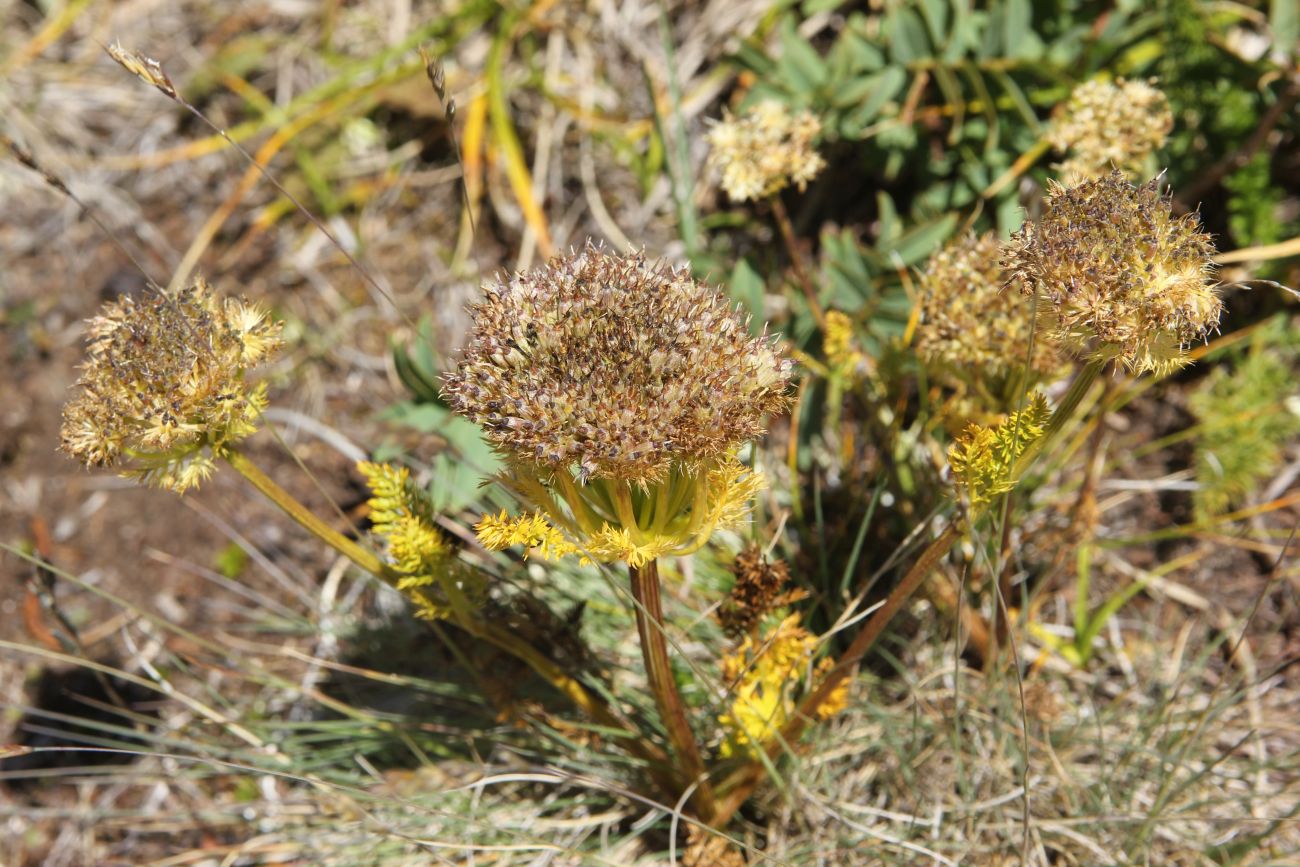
x=1121, y=276
x=615, y=367
x=163, y=385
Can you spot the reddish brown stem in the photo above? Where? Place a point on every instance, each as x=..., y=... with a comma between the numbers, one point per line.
x=796, y=260
x=741, y=785
x=654, y=651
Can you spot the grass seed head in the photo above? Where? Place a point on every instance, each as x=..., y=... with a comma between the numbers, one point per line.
x=1122, y=277
x=766, y=150
x=163, y=385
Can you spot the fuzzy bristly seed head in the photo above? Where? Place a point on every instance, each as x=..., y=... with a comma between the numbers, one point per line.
x=164, y=384
x=615, y=366
x=972, y=317
x=766, y=150
x=1110, y=126
x=1122, y=277
x=757, y=590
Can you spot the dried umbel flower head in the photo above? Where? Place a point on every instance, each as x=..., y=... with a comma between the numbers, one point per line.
x=624, y=388
x=163, y=387
x=1109, y=126
x=758, y=589
x=972, y=320
x=763, y=152
x=1122, y=277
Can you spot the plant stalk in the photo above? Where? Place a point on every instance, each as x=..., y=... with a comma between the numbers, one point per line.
x=796, y=259
x=308, y=520
x=589, y=703
x=741, y=785
x=654, y=651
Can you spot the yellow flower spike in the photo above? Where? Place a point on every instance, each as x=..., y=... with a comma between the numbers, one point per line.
x=498, y=532
x=983, y=458
x=401, y=515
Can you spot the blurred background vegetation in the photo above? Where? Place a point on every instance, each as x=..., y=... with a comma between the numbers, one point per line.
x=1102, y=674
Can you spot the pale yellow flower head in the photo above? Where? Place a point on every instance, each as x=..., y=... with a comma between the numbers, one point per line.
x=1109, y=126
x=766, y=150
x=162, y=392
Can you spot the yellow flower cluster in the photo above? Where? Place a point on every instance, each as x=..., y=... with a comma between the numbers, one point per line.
x=400, y=514
x=758, y=155
x=609, y=520
x=1107, y=126
x=983, y=459
x=533, y=531
x=163, y=387
x=762, y=676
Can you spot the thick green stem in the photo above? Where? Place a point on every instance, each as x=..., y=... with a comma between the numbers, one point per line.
x=654, y=651
x=307, y=519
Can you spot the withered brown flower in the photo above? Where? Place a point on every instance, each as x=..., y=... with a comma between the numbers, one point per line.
x=620, y=388
x=615, y=365
x=973, y=319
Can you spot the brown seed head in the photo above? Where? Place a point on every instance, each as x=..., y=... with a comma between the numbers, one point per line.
x=164, y=384
x=1122, y=277
x=1109, y=126
x=615, y=366
x=758, y=589
x=973, y=317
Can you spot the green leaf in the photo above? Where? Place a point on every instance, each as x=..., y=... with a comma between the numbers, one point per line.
x=877, y=90
x=935, y=13
x=1018, y=36
x=920, y=241
x=800, y=64
x=905, y=31
x=1284, y=21
x=890, y=226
